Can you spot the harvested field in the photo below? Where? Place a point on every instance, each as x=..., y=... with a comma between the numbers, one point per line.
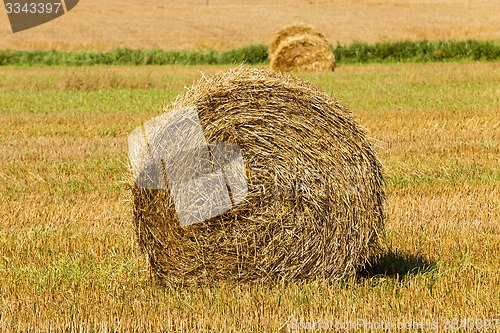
x=222, y=25
x=69, y=258
x=68, y=255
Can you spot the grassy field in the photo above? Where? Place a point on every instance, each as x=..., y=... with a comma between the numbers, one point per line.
x=68, y=258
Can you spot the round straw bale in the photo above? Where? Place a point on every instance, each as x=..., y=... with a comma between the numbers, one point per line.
x=291, y=31
x=304, y=53
x=314, y=207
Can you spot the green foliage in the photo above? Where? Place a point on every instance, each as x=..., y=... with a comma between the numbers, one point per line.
x=405, y=51
x=253, y=54
x=419, y=51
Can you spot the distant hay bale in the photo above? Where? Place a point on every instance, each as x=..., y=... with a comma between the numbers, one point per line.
x=300, y=47
x=303, y=54
x=314, y=206
x=293, y=30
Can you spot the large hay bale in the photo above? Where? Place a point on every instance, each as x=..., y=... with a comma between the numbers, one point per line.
x=303, y=53
x=293, y=30
x=315, y=188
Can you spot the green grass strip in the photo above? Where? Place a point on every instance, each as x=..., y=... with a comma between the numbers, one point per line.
x=359, y=53
x=418, y=51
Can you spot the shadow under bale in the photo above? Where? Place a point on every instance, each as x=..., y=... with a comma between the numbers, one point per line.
x=396, y=264
x=314, y=206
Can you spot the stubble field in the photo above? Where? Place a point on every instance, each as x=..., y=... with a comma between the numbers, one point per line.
x=224, y=24
x=68, y=258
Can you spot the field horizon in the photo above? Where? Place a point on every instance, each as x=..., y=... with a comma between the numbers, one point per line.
x=224, y=25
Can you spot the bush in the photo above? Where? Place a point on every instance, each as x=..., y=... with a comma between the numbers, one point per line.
x=419, y=51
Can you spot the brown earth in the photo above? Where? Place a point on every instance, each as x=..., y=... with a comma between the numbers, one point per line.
x=224, y=24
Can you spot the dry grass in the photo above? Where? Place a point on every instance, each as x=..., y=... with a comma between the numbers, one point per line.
x=315, y=188
x=225, y=24
x=67, y=253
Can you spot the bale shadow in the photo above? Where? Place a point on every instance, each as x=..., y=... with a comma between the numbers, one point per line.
x=398, y=265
